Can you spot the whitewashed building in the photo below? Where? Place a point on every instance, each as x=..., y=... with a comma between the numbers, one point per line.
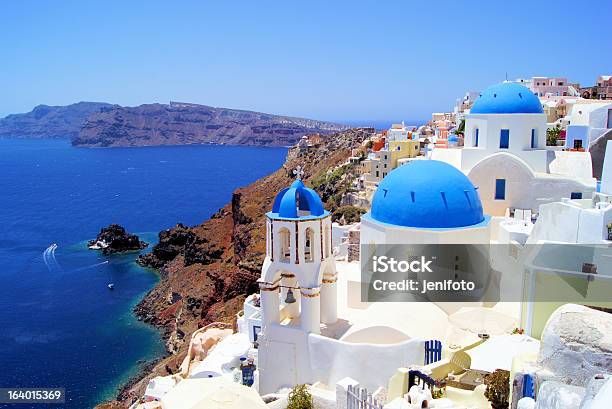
x=506, y=157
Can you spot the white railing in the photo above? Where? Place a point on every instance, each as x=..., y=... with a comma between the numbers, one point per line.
x=359, y=398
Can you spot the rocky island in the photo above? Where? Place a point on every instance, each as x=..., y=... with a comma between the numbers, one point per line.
x=96, y=124
x=207, y=270
x=115, y=239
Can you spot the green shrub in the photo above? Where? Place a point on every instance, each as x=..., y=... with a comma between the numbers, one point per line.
x=351, y=214
x=552, y=135
x=300, y=398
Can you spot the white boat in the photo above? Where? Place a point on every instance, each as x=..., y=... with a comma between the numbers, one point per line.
x=111, y=286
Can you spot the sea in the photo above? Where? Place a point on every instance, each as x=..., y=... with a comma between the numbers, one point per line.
x=60, y=324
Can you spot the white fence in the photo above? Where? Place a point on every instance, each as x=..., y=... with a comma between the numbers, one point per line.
x=359, y=398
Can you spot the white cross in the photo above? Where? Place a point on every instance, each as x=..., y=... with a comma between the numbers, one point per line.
x=298, y=172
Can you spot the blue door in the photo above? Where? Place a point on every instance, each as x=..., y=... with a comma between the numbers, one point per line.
x=433, y=351
x=504, y=139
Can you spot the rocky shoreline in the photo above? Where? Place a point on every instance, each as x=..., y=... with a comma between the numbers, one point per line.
x=206, y=271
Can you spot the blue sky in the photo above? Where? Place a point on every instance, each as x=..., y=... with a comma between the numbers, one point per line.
x=334, y=60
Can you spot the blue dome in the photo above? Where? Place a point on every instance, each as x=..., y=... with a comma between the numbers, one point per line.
x=453, y=138
x=507, y=98
x=297, y=198
x=427, y=194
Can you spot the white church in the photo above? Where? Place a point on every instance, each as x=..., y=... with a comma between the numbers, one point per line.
x=506, y=157
x=312, y=324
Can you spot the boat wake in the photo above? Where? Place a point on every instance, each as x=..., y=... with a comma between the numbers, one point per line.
x=91, y=266
x=50, y=260
x=54, y=267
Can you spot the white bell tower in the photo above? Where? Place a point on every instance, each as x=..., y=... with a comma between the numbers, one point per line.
x=298, y=278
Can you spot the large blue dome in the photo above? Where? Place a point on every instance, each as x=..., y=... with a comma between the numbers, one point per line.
x=297, y=202
x=507, y=98
x=427, y=194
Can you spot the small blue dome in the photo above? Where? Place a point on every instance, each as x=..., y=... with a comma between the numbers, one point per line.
x=507, y=98
x=427, y=194
x=297, y=198
x=453, y=138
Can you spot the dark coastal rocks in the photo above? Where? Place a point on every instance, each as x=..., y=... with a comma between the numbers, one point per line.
x=114, y=239
x=184, y=241
x=172, y=242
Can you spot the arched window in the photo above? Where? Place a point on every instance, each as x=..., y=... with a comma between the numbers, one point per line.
x=284, y=235
x=309, y=246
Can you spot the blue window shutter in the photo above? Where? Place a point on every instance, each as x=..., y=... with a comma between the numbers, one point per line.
x=504, y=139
x=500, y=189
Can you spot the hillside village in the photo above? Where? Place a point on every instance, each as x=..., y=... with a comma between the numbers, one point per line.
x=510, y=191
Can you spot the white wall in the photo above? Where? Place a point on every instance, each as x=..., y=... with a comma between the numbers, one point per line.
x=524, y=188
x=520, y=126
x=574, y=164
x=332, y=360
x=571, y=223
x=288, y=356
x=606, y=174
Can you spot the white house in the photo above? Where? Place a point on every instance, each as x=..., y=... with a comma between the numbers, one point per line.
x=506, y=158
x=585, y=221
x=595, y=117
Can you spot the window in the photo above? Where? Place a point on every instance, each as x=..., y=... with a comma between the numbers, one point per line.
x=533, y=139
x=577, y=143
x=504, y=139
x=476, y=137
x=285, y=244
x=500, y=189
x=309, y=248
x=377, y=173
x=609, y=118
x=576, y=195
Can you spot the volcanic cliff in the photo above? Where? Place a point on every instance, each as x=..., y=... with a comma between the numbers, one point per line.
x=46, y=121
x=207, y=270
x=184, y=123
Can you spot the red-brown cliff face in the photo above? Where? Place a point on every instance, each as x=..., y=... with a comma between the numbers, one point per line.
x=207, y=270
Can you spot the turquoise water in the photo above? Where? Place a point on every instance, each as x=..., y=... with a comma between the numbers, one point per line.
x=60, y=326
